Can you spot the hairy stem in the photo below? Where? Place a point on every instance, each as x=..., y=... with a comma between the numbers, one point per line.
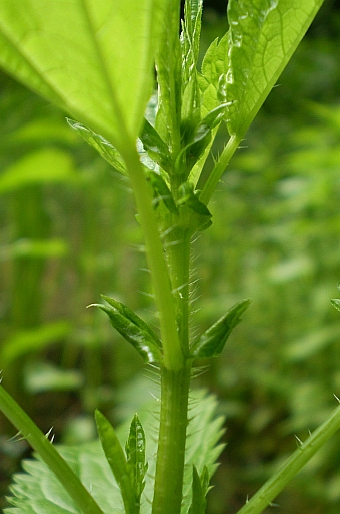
x=171, y=444
x=173, y=358
x=219, y=168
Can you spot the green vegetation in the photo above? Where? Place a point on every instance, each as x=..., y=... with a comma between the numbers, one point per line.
x=69, y=235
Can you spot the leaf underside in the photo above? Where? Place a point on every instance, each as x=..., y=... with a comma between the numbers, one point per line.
x=93, y=59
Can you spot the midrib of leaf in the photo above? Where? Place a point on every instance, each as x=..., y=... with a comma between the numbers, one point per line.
x=58, y=96
x=104, y=72
x=18, y=50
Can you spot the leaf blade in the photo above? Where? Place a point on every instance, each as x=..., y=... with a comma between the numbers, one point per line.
x=212, y=341
x=93, y=60
x=115, y=456
x=263, y=36
x=133, y=329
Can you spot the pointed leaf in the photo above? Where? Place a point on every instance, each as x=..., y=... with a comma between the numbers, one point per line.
x=262, y=37
x=212, y=341
x=190, y=41
x=199, y=491
x=133, y=329
x=103, y=147
x=190, y=197
x=116, y=458
x=93, y=59
x=135, y=452
x=161, y=191
x=200, y=138
x=155, y=146
x=336, y=303
x=168, y=66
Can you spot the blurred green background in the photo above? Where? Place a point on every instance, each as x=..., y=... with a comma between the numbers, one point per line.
x=68, y=233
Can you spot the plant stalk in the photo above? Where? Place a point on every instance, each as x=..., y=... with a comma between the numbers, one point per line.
x=219, y=168
x=173, y=358
x=171, y=443
x=293, y=465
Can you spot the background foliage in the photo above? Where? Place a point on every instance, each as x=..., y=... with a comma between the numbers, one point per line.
x=68, y=233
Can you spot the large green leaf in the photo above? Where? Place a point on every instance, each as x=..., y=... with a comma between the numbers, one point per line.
x=263, y=36
x=37, y=491
x=93, y=58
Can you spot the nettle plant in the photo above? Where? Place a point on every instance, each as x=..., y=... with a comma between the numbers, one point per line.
x=98, y=61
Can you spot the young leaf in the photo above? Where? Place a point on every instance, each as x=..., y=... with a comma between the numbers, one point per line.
x=168, y=66
x=200, y=138
x=133, y=329
x=198, y=213
x=116, y=458
x=190, y=40
x=93, y=59
x=135, y=453
x=161, y=191
x=103, y=147
x=336, y=303
x=199, y=490
x=212, y=341
x=212, y=77
x=155, y=146
x=262, y=37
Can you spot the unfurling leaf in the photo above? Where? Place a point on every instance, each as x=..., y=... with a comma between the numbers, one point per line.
x=155, y=146
x=336, y=303
x=133, y=329
x=116, y=458
x=103, y=147
x=212, y=341
x=161, y=191
x=198, y=215
x=135, y=453
x=190, y=40
x=199, y=138
x=200, y=487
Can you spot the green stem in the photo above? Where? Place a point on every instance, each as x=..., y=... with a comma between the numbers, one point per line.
x=174, y=387
x=219, y=168
x=173, y=358
x=293, y=465
x=178, y=253
x=171, y=443
x=42, y=445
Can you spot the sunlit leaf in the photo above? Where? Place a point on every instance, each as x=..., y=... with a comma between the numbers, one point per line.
x=263, y=36
x=93, y=59
x=103, y=147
